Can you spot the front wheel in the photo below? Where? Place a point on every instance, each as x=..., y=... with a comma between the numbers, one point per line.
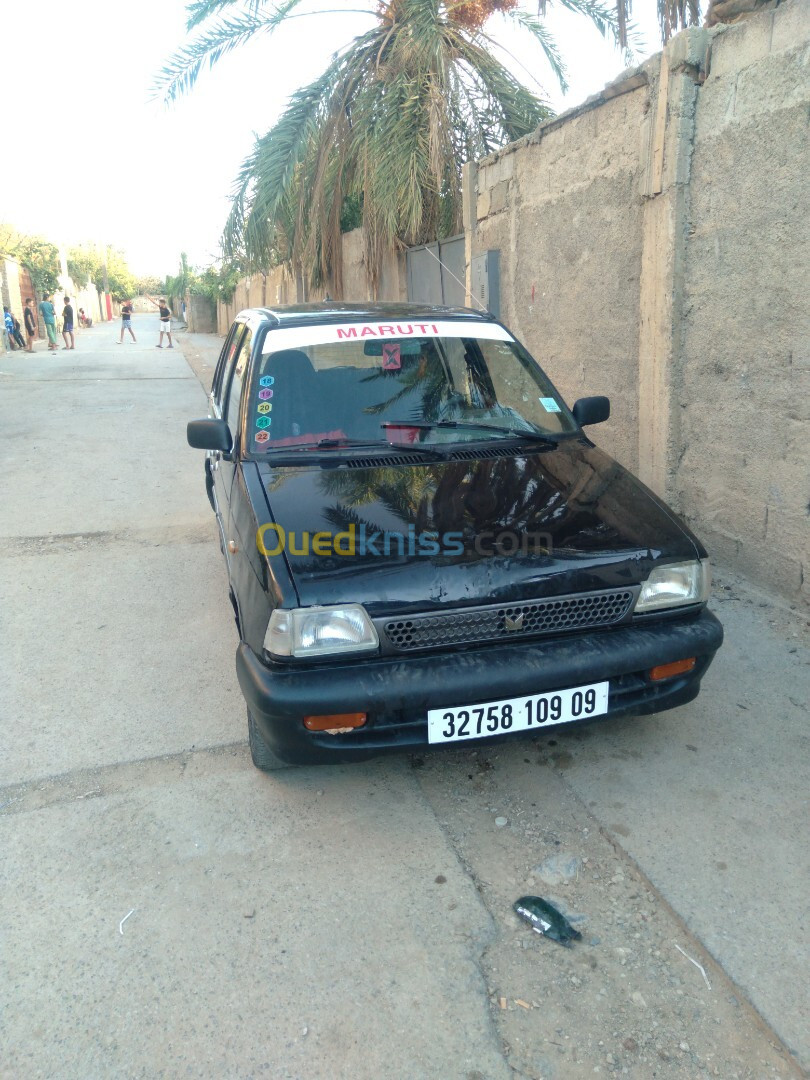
x=263, y=757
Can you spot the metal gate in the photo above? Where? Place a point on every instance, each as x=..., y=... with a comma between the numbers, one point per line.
x=436, y=273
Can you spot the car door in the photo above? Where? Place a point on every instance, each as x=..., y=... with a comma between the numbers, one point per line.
x=215, y=480
x=231, y=412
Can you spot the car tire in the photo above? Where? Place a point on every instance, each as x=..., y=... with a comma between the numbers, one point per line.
x=263, y=757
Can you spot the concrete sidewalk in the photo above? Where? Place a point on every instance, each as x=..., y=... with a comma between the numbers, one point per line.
x=169, y=911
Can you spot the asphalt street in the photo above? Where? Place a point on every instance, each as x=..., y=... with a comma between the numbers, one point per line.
x=166, y=910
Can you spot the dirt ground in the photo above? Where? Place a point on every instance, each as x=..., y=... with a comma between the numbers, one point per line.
x=622, y=1000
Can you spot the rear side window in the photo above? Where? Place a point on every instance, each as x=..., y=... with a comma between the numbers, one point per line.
x=225, y=364
x=237, y=379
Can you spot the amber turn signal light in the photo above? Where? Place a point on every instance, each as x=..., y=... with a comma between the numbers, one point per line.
x=677, y=667
x=335, y=723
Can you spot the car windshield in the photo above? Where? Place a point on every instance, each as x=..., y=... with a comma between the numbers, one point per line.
x=403, y=383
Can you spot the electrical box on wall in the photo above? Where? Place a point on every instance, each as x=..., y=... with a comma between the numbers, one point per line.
x=486, y=282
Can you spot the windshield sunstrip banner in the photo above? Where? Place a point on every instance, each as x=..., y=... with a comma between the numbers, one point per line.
x=327, y=333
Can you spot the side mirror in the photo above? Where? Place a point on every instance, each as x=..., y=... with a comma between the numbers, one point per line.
x=591, y=410
x=209, y=435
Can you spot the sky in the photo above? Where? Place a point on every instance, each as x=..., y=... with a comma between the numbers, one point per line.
x=89, y=156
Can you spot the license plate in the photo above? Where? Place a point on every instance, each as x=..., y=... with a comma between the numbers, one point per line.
x=517, y=714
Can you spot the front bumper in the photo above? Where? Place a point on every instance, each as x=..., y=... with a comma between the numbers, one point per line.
x=397, y=693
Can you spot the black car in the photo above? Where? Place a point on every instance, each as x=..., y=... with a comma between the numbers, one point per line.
x=424, y=546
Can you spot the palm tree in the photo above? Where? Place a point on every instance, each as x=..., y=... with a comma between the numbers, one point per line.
x=386, y=128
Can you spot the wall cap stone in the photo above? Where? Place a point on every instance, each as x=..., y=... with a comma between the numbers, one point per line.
x=629, y=80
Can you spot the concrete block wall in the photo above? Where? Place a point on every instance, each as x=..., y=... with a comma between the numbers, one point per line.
x=555, y=205
x=743, y=479
x=655, y=246
x=201, y=314
x=278, y=287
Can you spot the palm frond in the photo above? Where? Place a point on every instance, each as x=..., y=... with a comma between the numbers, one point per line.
x=520, y=110
x=610, y=24
x=181, y=71
x=675, y=15
x=200, y=10
x=544, y=39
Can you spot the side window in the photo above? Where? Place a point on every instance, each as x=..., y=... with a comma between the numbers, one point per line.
x=225, y=364
x=237, y=379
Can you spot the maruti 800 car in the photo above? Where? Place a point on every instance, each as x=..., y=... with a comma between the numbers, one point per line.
x=423, y=545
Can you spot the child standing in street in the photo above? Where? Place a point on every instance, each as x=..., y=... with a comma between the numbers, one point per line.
x=126, y=321
x=67, y=325
x=30, y=324
x=165, y=324
x=46, y=310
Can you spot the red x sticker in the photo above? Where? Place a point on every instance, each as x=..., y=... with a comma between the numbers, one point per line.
x=391, y=356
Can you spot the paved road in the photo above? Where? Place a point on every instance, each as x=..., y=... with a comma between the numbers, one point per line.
x=346, y=921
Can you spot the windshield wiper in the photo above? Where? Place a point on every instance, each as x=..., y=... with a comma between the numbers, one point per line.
x=345, y=443
x=343, y=440
x=519, y=433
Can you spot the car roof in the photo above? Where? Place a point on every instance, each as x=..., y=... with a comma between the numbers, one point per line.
x=332, y=311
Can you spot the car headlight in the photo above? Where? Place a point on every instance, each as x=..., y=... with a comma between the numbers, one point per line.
x=320, y=631
x=675, y=585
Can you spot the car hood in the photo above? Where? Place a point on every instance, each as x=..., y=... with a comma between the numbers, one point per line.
x=549, y=522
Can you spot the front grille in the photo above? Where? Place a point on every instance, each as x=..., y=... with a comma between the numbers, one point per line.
x=509, y=622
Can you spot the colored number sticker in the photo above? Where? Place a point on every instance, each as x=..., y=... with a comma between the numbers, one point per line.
x=265, y=394
x=549, y=404
x=266, y=380
x=391, y=356
x=262, y=436
x=264, y=407
x=263, y=422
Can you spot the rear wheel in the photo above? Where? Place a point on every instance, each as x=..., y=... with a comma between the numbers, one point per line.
x=263, y=757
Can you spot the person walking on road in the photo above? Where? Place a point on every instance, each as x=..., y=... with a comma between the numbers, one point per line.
x=126, y=321
x=30, y=324
x=67, y=325
x=46, y=310
x=165, y=324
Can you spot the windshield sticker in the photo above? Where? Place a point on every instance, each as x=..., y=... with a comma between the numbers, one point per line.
x=549, y=404
x=344, y=333
x=262, y=437
x=264, y=406
x=265, y=394
x=266, y=380
x=324, y=333
x=263, y=421
x=391, y=356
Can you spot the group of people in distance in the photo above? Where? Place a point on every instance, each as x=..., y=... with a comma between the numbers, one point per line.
x=165, y=322
x=48, y=313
